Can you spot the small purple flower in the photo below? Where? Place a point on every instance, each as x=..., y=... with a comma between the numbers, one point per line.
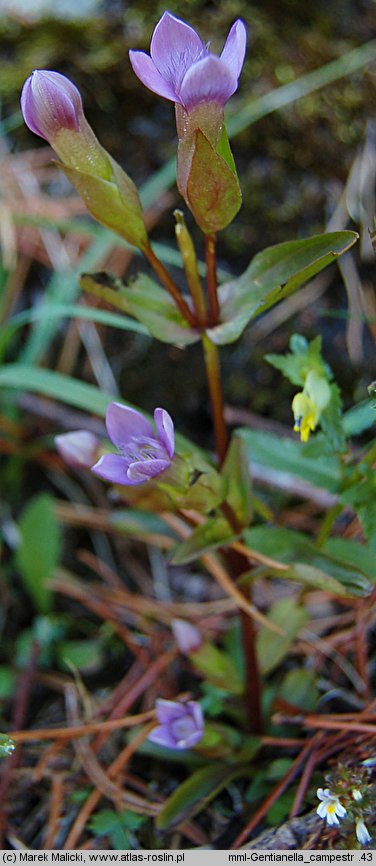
x=181, y=67
x=181, y=725
x=143, y=454
x=78, y=448
x=187, y=636
x=50, y=102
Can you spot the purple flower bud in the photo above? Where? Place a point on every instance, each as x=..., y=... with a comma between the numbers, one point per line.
x=79, y=448
x=50, y=103
x=181, y=68
x=187, y=636
x=181, y=725
x=143, y=454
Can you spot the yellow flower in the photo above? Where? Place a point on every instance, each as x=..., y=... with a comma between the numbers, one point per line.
x=308, y=405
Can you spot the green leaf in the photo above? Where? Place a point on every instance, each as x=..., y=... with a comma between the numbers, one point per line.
x=213, y=192
x=117, y=826
x=299, y=688
x=53, y=312
x=359, y=418
x=39, y=551
x=85, y=655
x=353, y=554
x=289, y=458
x=194, y=794
x=303, y=357
x=147, y=302
x=209, y=536
x=274, y=274
x=153, y=306
x=271, y=647
x=313, y=566
x=239, y=495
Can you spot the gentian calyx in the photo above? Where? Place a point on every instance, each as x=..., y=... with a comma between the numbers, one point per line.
x=143, y=454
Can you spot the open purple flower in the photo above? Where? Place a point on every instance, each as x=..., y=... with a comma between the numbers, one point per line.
x=143, y=454
x=181, y=725
x=181, y=67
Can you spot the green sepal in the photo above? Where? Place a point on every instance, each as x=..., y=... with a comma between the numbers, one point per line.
x=212, y=189
x=193, y=483
x=115, y=203
x=223, y=149
x=274, y=274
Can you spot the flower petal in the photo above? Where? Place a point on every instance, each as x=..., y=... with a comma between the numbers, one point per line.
x=234, y=49
x=50, y=102
x=78, y=448
x=162, y=737
x=208, y=80
x=169, y=711
x=165, y=430
x=113, y=468
x=190, y=741
x=197, y=714
x=147, y=72
x=124, y=423
x=144, y=470
x=174, y=47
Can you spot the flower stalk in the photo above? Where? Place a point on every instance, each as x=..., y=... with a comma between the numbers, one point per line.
x=189, y=258
x=170, y=285
x=211, y=278
x=213, y=374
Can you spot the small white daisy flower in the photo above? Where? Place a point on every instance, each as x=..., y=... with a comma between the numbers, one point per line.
x=356, y=794
x=362, y=833
x=330, y=808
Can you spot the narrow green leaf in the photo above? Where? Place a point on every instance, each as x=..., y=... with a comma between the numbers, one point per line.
x=209, y=536
x=289, y=457
x=194, y=794
x=39, y=551
x=310, y=565
x=271, y=647
x=274, y=274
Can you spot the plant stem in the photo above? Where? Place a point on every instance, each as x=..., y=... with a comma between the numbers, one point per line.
x=189, y=257
x=170, y=285
x=213, y=374
x=211, y=278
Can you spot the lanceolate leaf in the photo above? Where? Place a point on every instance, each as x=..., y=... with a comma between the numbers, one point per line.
x=272, y=275
x=195, y=793
x=147, y=302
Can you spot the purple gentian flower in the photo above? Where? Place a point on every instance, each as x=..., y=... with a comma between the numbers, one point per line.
x=50, y=102
x=143, y=454
x=181, y=725
x=78, y=448
x=181, y=67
